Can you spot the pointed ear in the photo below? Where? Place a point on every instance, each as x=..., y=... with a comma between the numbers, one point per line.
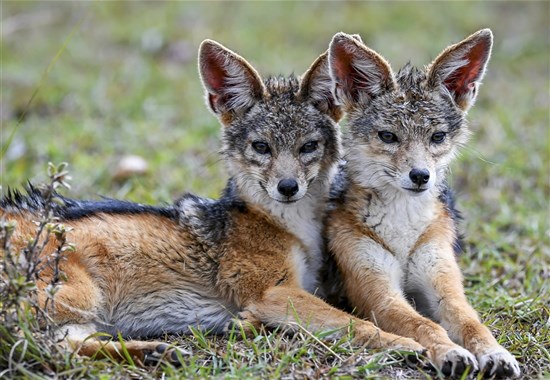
x=232, y=85
x=357, y=37
x=316, y=87
x=359, y=73
x=461, y=67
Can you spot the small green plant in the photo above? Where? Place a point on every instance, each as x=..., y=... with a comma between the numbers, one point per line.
x=27, y=332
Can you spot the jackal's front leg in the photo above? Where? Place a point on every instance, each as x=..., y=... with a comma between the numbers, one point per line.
x=373, y=279
x=293, y=307
x=433, y=271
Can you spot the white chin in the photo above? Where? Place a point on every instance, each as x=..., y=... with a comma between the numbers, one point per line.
x=287, y=201
x=415, y=193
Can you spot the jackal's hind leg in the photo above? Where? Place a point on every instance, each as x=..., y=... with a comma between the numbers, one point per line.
x=76, y=300
x=80, y=339
x=244, y=323
x=143, y=353
x=74, y=309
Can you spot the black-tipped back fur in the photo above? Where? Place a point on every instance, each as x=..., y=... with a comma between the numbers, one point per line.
x=34, y=201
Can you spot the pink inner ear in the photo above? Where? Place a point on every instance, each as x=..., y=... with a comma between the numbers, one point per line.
x=215, y=74
x=342, y=66
x=213, y=101
x=462, y=79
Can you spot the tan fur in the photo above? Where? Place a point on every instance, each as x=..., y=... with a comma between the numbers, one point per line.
x=442, y=228
x=345, y=221
x=265, y=266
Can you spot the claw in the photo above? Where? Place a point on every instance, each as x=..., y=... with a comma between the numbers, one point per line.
x=166, y=352
x=499, y=363
x=456, y=361
x=447, y=368
x=161, y=348
x=460, y=366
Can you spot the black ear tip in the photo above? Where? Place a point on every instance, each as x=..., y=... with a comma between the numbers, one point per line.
x=206, y=44
x=321, y=60
x=205, y=47
x=341, y=37
x=357, y=37
x=485, y=34
x=210, y=46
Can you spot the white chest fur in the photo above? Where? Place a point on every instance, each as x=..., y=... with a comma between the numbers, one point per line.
x=304, y=220
x=400, y=221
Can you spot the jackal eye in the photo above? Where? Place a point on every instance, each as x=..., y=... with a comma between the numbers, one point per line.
x=438, y=137
x=261, y=147
x=309, y=147
x=387, y=137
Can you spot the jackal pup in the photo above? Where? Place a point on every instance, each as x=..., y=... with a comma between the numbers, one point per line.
x=392, y=227
x=255, y=253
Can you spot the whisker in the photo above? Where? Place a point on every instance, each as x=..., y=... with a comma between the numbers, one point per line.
x=478, y=155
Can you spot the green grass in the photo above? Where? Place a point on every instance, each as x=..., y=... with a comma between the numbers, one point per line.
x=127, y=83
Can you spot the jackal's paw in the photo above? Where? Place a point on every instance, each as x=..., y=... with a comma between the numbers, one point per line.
x=498, y=363
x=456, y=361
x=408, y=345
x=164, y=352
x=396, y=342
x=245, y=323
x=412, y=351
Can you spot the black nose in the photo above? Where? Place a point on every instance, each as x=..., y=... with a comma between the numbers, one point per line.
x=420, y=176
x=288, y=187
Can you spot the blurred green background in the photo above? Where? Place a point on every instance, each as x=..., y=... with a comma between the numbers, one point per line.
x=121, y=79
x=127, y=83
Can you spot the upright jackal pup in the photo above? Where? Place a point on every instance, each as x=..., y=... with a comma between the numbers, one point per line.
x=143, y=271
x=392, y=226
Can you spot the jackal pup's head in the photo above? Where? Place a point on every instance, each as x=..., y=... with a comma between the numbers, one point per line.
x=405, y=128
x=280, y=135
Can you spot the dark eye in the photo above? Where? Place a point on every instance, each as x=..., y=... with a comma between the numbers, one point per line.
x=438, y=137
x=309, y=147
x=387, y=137
x=261, y=147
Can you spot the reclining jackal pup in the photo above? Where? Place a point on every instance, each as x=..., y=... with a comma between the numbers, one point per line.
x=251, y=256
x=392, y=225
